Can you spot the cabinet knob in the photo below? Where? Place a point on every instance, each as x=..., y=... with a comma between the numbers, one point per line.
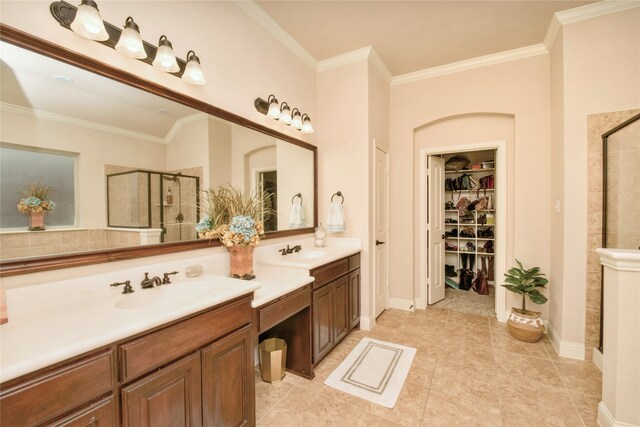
x=378, y=243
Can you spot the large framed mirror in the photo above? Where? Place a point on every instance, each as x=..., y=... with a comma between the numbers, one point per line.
x=126, y=160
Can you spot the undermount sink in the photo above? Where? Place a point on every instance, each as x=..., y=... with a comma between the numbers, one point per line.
x=162, y=295
x=308, y=254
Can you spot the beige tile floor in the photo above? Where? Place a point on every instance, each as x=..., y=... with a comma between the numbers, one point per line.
x=468, y=371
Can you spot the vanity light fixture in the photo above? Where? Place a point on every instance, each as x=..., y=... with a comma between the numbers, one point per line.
x=283, y=112
x=296, y=119
x=130, y=42
x=88, y=22
x=274, y=108
x=306, y=124
x=193, y=71
x=165, y=60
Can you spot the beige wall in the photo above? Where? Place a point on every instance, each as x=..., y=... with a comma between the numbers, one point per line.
x=95, y=149
x=241, y=61
x=519, y=89
x=599, y=63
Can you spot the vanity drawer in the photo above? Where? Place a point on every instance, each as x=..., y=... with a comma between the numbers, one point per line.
x=158, y=348
x=354, y=262
x=328, y=273
x=286, y=307
x=36, y=401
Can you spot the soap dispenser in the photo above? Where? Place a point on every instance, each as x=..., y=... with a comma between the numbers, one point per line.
x=320, y=234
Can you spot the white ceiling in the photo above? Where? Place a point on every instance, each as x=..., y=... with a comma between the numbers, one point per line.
x=415, y=35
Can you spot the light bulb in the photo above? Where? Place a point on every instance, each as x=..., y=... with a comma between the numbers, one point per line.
x=296, y=119
x=285, y=113
x=88, y=22
x=306, y=124
x=165, y=60
x=274, y=108
x=193, y=71
x=130, y=42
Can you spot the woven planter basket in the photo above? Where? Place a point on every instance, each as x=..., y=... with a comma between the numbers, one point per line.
x=525, y=325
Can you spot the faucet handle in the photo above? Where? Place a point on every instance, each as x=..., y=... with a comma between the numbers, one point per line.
x=127, y=286
x=165, y=277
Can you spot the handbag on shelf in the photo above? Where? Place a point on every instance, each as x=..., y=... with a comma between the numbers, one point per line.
x=462, y=206
x=456, y=163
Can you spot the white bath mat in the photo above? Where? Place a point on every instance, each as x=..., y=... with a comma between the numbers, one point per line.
x=374, y=370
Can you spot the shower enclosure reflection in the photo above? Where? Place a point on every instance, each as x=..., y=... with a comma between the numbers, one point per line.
x=164, y=203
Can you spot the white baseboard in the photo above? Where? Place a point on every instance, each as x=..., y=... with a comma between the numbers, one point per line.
x=606, y=419
x=571, y=350
x=367, y=323
x=597, y=358
x=402, y=304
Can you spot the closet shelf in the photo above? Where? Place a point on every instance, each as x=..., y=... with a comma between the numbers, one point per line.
x=470, y=171
x=484, y=210
x=470, y=253
x=469, y=190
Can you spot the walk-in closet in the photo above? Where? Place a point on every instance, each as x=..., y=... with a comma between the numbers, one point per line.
x=469, y=213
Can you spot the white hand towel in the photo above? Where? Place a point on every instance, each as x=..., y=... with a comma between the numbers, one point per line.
x=335, y=219
x=296, y=217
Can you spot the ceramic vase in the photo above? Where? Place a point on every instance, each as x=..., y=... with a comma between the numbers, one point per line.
x=241, y=258
x=36, y=221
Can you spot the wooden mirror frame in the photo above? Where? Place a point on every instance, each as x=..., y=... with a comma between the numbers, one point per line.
x=51, y=50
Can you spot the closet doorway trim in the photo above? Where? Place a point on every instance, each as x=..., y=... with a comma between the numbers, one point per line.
x=501, y=219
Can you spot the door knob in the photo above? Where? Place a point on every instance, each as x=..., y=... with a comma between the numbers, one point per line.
x=378, y=243
x=444, y=237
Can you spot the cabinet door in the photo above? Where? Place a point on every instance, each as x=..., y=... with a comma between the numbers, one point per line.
x=100, y=414
x=228, y=384
x=341, y=308
x=354, y=298
x=168, y=397
x=323, y=337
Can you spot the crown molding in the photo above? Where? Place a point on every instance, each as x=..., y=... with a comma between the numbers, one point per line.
x=29, y=112
x=344, y=59
x=468, y=64
x=379, y=65
x=582, y=13
x=180, y=123
x=263, y=19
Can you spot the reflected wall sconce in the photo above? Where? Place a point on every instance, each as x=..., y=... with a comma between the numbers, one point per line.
x=85, y=20
x=282, y=112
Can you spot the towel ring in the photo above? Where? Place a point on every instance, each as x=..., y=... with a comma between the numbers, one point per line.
x=339, y=194
x=294, y=197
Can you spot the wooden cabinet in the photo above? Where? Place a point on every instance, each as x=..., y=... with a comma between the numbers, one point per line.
x=194, y=371
x=168, y=397
x=228, y=395
x=336, y=303
x=354, y=298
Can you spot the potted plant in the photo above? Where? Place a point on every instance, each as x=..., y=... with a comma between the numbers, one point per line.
x=36, y=203
x=234, y=217
x=523, y=324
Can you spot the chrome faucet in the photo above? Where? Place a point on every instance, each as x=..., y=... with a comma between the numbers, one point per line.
x=165, y=277
x=149, y=283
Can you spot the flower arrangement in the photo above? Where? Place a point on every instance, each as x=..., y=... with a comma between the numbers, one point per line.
x=36, y=199
x=232, y=216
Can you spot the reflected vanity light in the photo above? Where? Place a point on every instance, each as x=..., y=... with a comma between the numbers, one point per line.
x=283, y=113
x=88, y=22
x=130, y=42
x=85, y=20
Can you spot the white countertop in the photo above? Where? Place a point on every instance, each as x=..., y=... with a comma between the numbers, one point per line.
x=54, y=322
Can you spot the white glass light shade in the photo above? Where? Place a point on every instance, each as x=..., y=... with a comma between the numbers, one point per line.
x=285, y=114
x=193, y=71
x=274, y=108
x=306, y=124
x=88, y=22
x=130, y=42
x=296, y=120
x=165, y=60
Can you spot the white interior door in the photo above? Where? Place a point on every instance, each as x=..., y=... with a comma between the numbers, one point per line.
x=435, y=229
x=381, y=279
